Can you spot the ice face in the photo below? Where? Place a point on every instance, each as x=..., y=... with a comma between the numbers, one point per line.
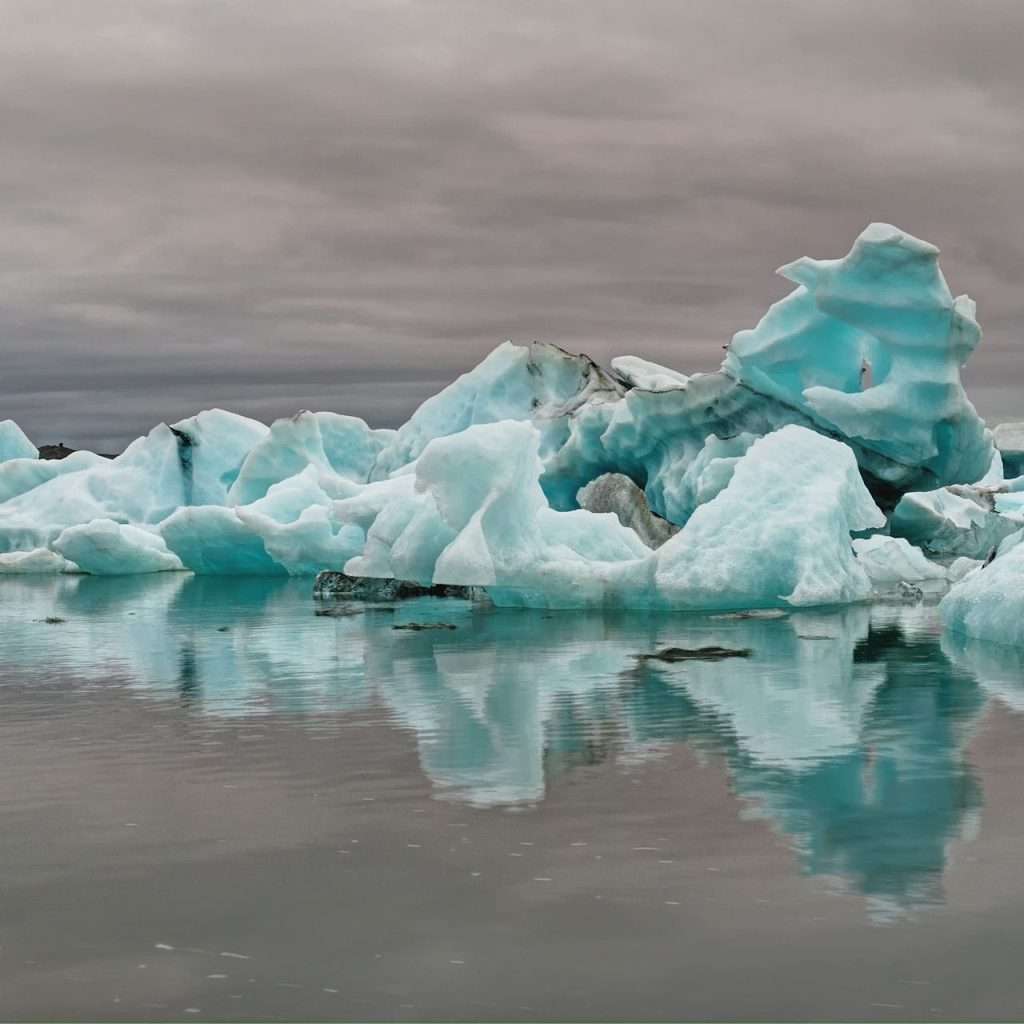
x=37, y=562
x=639, y=373
x=342, y=448
x=14, y=444
x=1009, y=439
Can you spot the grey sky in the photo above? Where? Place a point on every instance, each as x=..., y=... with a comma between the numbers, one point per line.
x=270, y=206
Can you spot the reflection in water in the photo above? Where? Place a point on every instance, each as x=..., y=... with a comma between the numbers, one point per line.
x=845, y=729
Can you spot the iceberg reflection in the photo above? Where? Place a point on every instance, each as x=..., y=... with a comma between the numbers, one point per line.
x=846, y=730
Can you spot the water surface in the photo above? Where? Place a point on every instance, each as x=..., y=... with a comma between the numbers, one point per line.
x=217, y=803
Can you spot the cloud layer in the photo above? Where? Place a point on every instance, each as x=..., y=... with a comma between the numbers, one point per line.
x=271, y=206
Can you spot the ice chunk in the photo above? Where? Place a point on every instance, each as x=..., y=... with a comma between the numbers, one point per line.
x=141, y=486
x=795, y=550
x=14, y=444
x=988, y=604
x=960, y=567
x=106, y=548
x=211, y=540
x=20, y=475
x=778, y=534
x=514, y=382
x=405, y=533
x=639, y=373
x=1009, y=438
x=871, y=346
x=705, y=477
x=616, y=493
x=39, y=560
x=891, y=562
x=298, y=527
x=952, y=521
x=343, y=447
x=214, y=444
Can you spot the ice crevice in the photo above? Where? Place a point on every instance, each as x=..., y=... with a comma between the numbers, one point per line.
x=833, y=457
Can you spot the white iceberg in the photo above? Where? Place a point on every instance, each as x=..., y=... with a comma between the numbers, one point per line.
x=556, y=483
x=106, y=548
x=895, y=567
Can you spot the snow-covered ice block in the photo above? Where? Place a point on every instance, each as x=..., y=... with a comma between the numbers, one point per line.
x=779, y=533
x=891, y=562
x=141, y=486
x=14, y=444
x=106, y=548
x=988, y=604
x=37, y=561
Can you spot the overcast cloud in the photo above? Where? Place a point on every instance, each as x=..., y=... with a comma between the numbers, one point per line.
x=270, y=206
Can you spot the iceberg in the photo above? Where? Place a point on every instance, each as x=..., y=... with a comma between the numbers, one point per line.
x=553, y=482
x=896, y=568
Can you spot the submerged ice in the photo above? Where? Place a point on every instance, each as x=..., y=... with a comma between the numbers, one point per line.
x=833, y=456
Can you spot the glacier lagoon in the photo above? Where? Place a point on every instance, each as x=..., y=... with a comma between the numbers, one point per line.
x=229, y=800
x=744, y=660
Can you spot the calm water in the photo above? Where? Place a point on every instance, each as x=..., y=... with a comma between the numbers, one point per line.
x=215, y=803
